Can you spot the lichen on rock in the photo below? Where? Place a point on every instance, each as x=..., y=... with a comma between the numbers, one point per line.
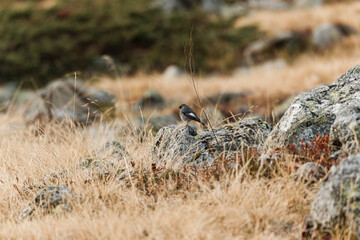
x=318, y=112
x=183, y=144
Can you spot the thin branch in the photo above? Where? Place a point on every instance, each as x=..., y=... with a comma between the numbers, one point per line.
x=191, y=77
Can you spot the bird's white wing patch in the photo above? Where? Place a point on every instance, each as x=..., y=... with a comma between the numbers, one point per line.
x=192, y=114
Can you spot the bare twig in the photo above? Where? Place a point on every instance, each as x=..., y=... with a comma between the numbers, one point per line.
x=191, y=77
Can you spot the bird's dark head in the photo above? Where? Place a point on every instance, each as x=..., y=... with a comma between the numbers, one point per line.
x=182, y=105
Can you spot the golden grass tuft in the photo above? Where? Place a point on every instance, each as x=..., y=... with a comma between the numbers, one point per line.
x=240, y=205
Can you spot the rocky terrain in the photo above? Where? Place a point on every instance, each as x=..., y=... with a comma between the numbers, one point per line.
x=314, y=145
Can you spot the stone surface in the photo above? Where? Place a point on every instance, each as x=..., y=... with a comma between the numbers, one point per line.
x=178, y=144
x=51, y=199
x=68, y=100
x=182, y=144
x=310, y=172
x=249, y=132
x=328, y=33
x=338, y=199
x=345, y=131
x=315, y=112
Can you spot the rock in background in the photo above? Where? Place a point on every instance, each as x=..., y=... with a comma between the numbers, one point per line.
x=68, y=99
x=327, y=34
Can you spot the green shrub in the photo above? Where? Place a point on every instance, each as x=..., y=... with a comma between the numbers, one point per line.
x=44, y=43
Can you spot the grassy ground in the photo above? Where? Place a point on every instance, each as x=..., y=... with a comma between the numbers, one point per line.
x=237, y=206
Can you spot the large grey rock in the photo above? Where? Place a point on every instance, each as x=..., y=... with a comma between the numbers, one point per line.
x=337, y=202
x=178, y=144
x=68, y=99
x=238, y=136
x=183, y=144
x=328, y=33
x=52, y=199
x=315, y=112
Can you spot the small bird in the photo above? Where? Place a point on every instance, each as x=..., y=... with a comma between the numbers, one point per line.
x=187, y=114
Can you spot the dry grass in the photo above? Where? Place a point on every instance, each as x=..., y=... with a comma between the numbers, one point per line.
x=240, y=206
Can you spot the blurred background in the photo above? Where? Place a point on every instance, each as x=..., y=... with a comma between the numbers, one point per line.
x=248, y=56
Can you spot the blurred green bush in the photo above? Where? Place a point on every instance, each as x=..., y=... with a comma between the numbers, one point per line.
x=39, y=44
